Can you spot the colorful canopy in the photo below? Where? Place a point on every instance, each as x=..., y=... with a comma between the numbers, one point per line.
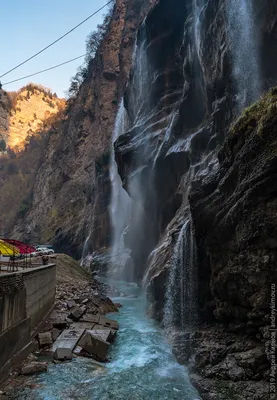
x=6, y=249
x=24, y=248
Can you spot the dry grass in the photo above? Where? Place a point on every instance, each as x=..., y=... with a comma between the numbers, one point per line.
x=69, y=270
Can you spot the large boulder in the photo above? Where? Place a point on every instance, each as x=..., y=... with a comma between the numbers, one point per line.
x=33, y=367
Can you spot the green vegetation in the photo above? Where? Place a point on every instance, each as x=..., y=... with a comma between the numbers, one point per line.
x=258, y=114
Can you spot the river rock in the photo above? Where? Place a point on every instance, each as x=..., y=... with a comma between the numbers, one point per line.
x=227, y=369
x=252, y=359
x=110, y=323
x=45, y=339
x=76, y=313
x=88, y=317
x=71, y=304
x=34, y=367
x=32, y=357
x=94, y=346
x=56, y=333
x=60, y=323
x=63, y=354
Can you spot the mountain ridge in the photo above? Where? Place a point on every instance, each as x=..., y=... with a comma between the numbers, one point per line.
x=27, y=112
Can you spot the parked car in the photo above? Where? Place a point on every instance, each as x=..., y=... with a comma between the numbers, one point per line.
x=44, y=251
x=45, y=246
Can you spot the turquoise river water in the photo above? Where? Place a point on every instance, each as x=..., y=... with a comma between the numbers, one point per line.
x=142, y=366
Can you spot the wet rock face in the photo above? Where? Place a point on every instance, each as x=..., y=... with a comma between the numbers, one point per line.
x=235, y=222
x=229, y=193
x=172, y=148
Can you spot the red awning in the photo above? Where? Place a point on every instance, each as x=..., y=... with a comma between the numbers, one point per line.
x=24, y=248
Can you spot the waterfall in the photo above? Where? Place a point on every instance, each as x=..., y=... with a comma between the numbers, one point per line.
x=180, y=310
x=120, y=201
x=141, y=80
x=87, y=249
x=244, y=48
x=141, y=233
x=197, y=8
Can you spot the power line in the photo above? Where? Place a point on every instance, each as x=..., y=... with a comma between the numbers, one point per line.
x=57, y=40
x=44, y=70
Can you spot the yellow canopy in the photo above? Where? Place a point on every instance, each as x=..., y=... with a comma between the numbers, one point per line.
x=7, y=249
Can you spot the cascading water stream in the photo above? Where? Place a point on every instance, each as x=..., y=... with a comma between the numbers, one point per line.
x=197, y=8
x=244, y=48
x=87, y=250
x=142, y=366
x=180, y=311
x=120, y=201
x=141, y=80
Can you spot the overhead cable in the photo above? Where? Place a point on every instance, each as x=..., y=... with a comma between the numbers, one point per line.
x=44, y=70
x=57, y=40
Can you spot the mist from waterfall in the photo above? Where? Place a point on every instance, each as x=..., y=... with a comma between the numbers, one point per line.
x=120, y=201
x=197, y=8
x=245, y=50
x=141, y=232
x=87, y=248
x=180, y=310
x=141, y=80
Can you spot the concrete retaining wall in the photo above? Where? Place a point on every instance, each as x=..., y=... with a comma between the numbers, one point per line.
x=25, y=299
x=40, y=285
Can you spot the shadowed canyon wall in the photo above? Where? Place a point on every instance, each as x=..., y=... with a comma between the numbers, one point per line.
x=197, y=66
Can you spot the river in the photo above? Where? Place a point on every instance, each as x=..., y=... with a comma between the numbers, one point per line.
x=142, y=366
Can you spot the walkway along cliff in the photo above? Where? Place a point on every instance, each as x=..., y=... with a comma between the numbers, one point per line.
x=199, y=168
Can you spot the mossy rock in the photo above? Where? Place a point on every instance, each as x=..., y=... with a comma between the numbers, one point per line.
x=257, y=115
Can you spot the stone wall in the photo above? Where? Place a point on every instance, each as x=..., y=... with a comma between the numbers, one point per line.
x=25, y=299
x=40, y=288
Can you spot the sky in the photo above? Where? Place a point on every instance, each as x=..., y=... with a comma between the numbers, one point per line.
x=26, y=26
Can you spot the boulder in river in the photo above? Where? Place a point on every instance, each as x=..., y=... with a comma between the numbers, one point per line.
x=94, y=346
x=34, y=367
x=110, y=323
x=63, y=354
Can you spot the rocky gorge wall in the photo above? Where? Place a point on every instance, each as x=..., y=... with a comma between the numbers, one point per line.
x=72, y=190
x=196, y=83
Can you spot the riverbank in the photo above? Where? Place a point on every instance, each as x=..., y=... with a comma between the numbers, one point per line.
x=76, y=292
x=142, y=366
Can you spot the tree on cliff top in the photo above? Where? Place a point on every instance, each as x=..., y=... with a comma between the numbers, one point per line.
x=93, y=43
